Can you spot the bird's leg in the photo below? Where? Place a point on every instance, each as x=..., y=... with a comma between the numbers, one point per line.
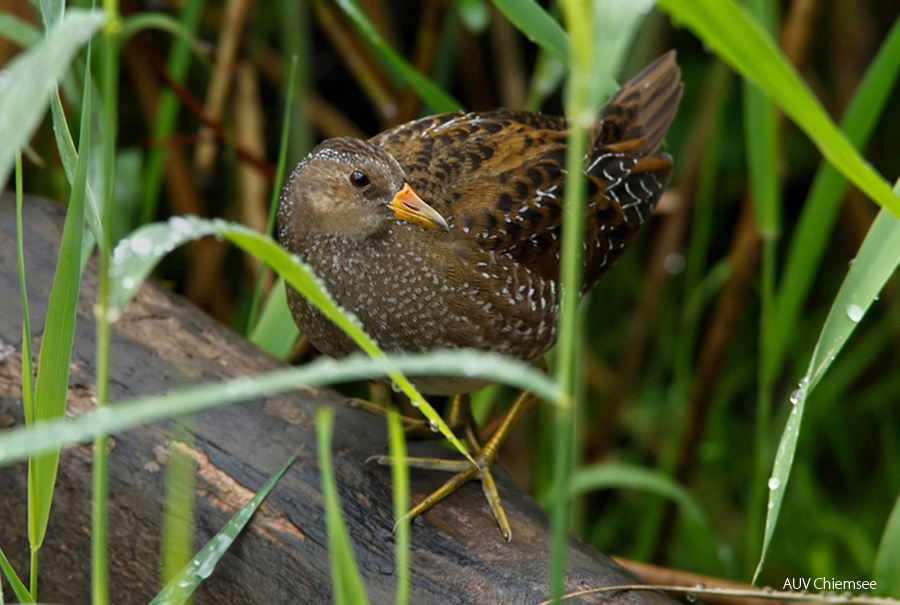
x=464, y=469
x=379, y=402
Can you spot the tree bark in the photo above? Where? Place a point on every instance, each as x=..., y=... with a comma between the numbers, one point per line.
x=162, y=342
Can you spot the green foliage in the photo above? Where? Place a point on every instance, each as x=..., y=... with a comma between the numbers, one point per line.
x=202, y=565
x=718, y=341
x=345, y=578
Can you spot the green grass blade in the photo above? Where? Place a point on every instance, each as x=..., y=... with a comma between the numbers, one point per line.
x=139, y=253
x=876, y=261
x=18, y=587
x=763, y=145
x=27, y=361
x=69, y=158
x=25, y=95
x=812, y=235
x=631, y=476
x=275, y=331
x=887, y=561
x=202, y=565
x=436, y=99
x=18, y=30
x=740, y=41
x=290, y=89
x=52, y=11
x=167, y=110
x=537, y=25
x=19, y=442
x=400, y=485
x=615, y=24
x=178, y=509
x=345, y=577
x=162, y=22
x=52, y=384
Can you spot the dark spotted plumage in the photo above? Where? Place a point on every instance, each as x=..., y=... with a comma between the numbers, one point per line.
x=487, y=278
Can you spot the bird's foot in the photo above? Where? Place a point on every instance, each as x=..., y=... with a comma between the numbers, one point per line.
x=465, y=471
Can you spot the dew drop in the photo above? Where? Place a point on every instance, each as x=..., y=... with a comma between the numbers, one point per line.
x=141, y=246
x=797, y=395
x=674, y=263
x=855, y=312
x=434, y=426
x=774, y=483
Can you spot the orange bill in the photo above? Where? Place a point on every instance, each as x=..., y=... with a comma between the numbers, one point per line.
x=410, y=207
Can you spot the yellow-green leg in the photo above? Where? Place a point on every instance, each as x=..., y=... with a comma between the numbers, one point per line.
x=464, y=469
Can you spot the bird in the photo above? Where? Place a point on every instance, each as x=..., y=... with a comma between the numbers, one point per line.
x=445, y=233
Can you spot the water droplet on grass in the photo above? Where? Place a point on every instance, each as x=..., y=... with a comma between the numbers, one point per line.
x=855, y=312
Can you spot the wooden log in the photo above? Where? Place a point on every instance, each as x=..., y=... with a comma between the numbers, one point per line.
x=162, y=342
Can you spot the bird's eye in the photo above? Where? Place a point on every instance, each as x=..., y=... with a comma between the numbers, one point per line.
x=359, y=179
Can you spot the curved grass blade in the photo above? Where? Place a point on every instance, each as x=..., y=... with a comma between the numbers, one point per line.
x=434, y=97
x=345, y=577
x=20, y=442
x=51, y=386
x=18, y=587
x=180, y=588
x=811, y=237
x=876, y=261
x=537, y=25
x=631, y=476
x=18, y=30
x=30, y=79
x=163, y=22
x=740, y=41
x=138, y=254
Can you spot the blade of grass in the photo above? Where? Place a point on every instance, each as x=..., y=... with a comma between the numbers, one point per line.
x=69, y=158
x=18, y=30
x=252, y=320
x=52, y=383
x=108, y=72
x=18, y=587
x=27, y=361
x=400, y=485
x=740, y=41
x=876, y=261
x=578, y=20
x=24, y=95
x=137, y=254
x=167, y=111
x=537, y=25
x=615, y=24
x=345, y=577
x=887, y=561
x=819, y=214
x=180, y=588
x=178, y=508
x=434, y=97
x=162, y=22
x=275, y=331
x=763, y=149
x=20, y=442
x=631, y=476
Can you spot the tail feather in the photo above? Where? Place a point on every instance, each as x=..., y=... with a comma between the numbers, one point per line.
x=643, y=109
